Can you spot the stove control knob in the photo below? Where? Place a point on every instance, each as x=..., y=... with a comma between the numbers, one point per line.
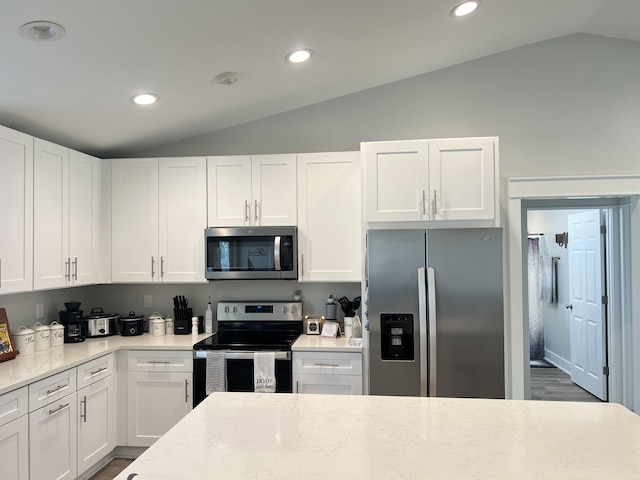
x=226, y=309
x=284, y=309
x=293, y=309
x=235, y=309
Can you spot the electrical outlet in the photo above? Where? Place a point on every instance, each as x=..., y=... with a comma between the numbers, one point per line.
x=39, y=311
x=147, y=301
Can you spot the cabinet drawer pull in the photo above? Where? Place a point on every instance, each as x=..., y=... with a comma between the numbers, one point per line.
x=100, y=370
x=161, y=362
x=67, y=267
x=57, y=389
x=75, y=268
x=51, y=412
x=186, y=391
x=327, y=364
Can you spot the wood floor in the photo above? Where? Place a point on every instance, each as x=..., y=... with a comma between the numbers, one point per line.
x=112, y=469
x=555, y=385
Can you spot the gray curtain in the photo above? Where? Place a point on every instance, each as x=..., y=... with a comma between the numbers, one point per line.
x=536, y=325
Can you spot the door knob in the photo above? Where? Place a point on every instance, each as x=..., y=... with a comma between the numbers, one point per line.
x=569, y=306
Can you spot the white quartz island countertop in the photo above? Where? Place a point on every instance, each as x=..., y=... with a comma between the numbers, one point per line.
x=285, y=436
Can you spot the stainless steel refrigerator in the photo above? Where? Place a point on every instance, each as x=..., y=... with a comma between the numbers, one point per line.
x=435, y=312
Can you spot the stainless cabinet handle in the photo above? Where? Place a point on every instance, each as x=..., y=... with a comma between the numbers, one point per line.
x=302, y=265
x=434, y=206
x=256, y=211
x=67, y=267
x=51, y=412
x=83, y=415
x=424, y=202
x=57, y=389
x=186, y=391
x=161, y=266
x=161, y=362
x=100, y=370
x=75, y=268
x=327, y=364
x=153, y=263
x=246, y=211
x=297, y=386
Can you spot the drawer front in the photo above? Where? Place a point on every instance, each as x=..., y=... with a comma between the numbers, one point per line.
x=328, y=384
x=14, y=405
x=160, y=361
x=51, y=389
x=335, y=363
x=95, y=370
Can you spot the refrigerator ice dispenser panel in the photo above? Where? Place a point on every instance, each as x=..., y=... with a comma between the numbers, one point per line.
x=397, y=336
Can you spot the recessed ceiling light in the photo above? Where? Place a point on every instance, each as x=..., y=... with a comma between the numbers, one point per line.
x=465, y=8
x=144, y=98
x=298, y=56
x=42, y=31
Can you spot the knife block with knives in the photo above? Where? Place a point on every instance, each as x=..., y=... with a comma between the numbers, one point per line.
x=182, y=315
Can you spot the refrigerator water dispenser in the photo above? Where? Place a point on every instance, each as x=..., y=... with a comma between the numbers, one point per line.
x=397, y=336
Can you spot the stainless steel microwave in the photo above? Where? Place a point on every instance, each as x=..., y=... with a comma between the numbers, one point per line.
x=246, y=253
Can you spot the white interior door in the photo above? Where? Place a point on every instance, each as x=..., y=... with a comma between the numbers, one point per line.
x=587, y=310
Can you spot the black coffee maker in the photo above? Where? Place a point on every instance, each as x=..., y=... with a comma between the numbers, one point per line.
x=71, y=318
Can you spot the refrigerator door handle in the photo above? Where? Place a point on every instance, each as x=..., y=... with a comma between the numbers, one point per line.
x=422, y=325
x=433, y=367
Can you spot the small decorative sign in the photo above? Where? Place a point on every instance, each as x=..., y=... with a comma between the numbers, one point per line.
x=330, y=329
x=7, y=348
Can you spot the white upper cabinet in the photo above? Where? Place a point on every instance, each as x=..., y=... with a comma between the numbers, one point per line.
x=66, y=216
x=432, y=180
x=16, y=211
x=252, y=190
x=159, y=212
x=329, y=217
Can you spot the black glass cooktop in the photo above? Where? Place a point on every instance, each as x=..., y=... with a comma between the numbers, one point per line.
x=239, y=336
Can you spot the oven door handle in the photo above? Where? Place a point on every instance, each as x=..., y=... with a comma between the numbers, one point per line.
x=235, y=355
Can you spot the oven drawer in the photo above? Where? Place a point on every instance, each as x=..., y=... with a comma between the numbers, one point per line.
x=160, y=361
x=335, y=363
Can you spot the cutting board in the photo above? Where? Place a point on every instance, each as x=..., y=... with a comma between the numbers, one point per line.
x=7, y=348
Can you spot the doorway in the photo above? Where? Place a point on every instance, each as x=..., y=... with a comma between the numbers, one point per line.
x=584, y=353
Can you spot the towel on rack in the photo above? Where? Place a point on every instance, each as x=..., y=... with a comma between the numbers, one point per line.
x=216, y=372
x=264, y=372
x=548, y=279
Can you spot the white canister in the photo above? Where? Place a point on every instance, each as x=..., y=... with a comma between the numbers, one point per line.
x=348, y=327
x=57, y=334
x=157, y=327
x=42, y=337
x=24, y=338
x=169, y=326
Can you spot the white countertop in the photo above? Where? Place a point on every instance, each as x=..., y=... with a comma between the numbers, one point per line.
x=25, y=369
x=317, y=343
x=287, y=436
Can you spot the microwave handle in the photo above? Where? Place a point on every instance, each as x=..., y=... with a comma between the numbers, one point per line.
x=276, y=253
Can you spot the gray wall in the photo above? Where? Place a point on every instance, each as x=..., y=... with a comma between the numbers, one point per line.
x=566, y=106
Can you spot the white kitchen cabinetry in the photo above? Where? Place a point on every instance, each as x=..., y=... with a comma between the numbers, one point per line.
x=14, y=435
x=97, y=412
x=66, y=216
x=432, y=180
x=158, y=393
x=159, y=212
x=53, y=447
x=327, y=372
x=329, y=217
x=16, y=211
x=252, y=190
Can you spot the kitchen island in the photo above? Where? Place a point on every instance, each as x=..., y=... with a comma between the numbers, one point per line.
x=285, y=436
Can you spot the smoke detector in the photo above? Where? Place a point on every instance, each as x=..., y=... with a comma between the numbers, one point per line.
x=227, y=78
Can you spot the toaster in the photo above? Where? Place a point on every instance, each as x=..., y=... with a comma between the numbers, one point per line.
x=313, y=325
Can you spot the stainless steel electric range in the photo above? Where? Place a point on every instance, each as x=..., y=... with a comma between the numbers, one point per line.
x=245, y=328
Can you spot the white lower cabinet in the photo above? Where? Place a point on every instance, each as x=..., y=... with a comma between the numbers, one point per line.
x=53, y=440
x=14, y=435
x=96, y=422
x=327, y=372
x=158, y=393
